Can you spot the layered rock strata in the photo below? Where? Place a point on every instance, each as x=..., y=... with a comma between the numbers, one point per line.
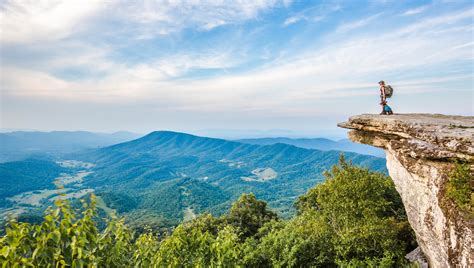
x=420, y=151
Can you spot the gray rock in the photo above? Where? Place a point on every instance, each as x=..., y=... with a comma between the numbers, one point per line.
x=420, y=150
x=417, y=256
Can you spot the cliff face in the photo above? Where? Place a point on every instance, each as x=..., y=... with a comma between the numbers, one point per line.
x=420, y=151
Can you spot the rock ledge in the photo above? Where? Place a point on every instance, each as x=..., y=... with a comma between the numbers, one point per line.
x=420, y=150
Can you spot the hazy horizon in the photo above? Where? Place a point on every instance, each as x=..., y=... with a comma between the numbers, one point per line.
x=231, y=134
x=214, y=68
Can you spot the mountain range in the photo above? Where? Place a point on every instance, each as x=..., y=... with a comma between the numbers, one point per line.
x=320, y=144
x=166, y=177
x=170, y=172
x=19, y=145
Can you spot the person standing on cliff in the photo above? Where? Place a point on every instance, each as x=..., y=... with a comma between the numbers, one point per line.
x=383, y=99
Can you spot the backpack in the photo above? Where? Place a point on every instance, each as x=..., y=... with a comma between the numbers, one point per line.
x=387, y=110
x=388, y=91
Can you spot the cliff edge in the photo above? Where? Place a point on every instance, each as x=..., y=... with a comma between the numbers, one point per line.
x=421, y=150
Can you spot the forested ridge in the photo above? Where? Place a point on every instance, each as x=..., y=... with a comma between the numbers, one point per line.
x=164, y=177
x=164, y=173
x=353, y=219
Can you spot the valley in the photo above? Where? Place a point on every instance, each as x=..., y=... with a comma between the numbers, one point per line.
x=165, y=177
x=168, y=174
x=68, y=185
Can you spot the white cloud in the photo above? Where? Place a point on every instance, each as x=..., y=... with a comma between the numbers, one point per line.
x=442, y=21
x=293, y=19
x=335, y=71
x=38, y=83
x=349, y=67
x=158, y=18
x=415, y=11
x=38, y=21
x=312, y=14
x=175, y=66
x=297, y=18
x=463, y=45
x=347, y=27
x=27, y=21
x=211, y=25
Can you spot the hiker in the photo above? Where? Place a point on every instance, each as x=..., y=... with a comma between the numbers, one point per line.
x=385, y=92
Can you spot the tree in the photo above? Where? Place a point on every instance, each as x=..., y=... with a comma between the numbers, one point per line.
x=61, y=239
x=364, y=213
x=304, y=241
x=353, y=219
x=203, y=242
x=67, y=238
x=249, y=214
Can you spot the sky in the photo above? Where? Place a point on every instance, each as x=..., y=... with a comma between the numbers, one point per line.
x=230, y=68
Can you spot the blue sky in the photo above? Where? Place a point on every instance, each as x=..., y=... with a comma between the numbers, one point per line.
x=230, y=68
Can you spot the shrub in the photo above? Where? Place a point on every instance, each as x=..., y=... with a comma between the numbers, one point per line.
x=460, y=187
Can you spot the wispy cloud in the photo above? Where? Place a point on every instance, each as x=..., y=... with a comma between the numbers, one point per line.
x=469, y=44
x=350, y=26
x=415, y=11
x=182, y=66
x=299, y=18
x=336, y=67
x=293, y=19
x=444, y=21
x=175, y=66
x=312, y=14
x=159, y=18
x=23, y=21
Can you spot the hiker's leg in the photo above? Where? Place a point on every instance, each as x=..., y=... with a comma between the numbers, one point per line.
x=383, y=107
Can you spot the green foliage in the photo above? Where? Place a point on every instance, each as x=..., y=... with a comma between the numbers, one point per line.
x=64, y=239
x=304, y=241
x=354, y=219
x=144, y=253
x=364, y=214
x=460, y=187
x=204, y=242
x=249, y=214
x=59, y=240
x=119, y=201
x=22, y=176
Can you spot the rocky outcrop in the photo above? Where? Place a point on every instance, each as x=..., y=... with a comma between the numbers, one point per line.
x=420, y=151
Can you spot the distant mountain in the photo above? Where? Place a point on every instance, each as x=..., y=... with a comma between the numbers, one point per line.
x=320, y=144
x=166, y=177
x=169, y=174
x=21, y=144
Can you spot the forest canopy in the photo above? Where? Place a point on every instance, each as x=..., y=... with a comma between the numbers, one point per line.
x=353, y=219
